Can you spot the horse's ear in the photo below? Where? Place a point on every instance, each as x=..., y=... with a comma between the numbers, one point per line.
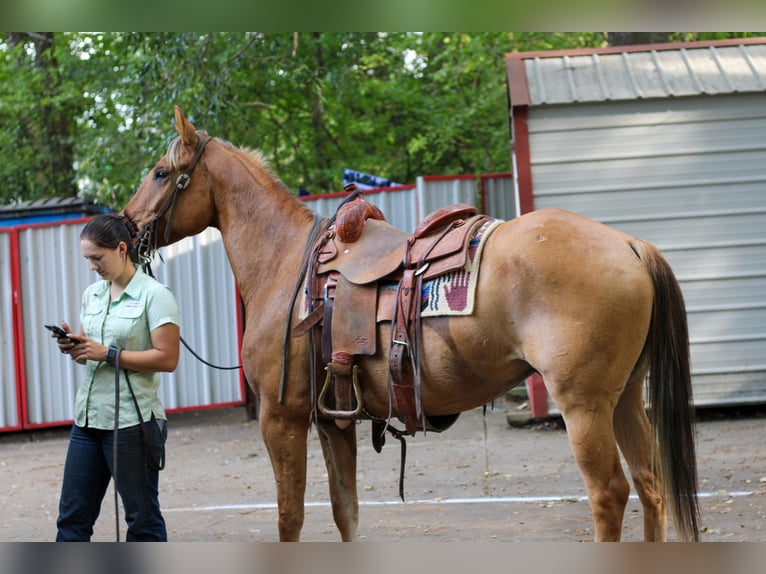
x=185, y=129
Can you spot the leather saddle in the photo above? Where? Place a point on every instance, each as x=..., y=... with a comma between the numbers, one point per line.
x=363, y=271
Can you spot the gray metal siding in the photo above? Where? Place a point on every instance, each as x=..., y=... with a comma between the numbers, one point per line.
x=397, y=205
x=8, y=396
x=53, y=277
x=404, y=207
x=197, y=270
x=499, y=200
x=433, y=193
x=689, y=175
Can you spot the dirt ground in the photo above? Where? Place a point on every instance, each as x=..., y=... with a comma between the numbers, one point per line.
x=481, y=480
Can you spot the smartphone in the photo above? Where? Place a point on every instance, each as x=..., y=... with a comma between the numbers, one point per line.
x=58, y=331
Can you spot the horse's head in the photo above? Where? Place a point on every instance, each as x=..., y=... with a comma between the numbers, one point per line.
x=175, y=198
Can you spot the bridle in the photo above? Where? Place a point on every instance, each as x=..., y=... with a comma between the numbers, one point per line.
x=146, y=240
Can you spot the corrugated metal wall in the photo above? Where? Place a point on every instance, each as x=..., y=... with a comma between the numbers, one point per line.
x=435, y=192
x=198, y=271
x=405, y=206
x=396, y=203
x=497, y=191
x=53, y=277
x=689, y=175
x=9, y=415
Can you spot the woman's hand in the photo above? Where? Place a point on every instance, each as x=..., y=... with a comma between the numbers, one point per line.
x=83, y=349
x=66, y=344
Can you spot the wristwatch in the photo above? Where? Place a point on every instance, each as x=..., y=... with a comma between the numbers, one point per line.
x=111, y=354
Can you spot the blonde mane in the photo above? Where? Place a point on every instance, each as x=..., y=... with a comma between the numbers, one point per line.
x=254, y=156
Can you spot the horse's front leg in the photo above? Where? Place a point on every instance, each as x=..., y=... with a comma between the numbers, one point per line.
x=339, y=448
x=285, y=438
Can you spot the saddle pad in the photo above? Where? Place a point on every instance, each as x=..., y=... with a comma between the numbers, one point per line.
x=453, y=293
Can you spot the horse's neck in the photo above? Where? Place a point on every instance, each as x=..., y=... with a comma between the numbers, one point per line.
x=264, y=230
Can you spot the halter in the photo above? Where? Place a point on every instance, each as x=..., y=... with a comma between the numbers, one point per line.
x=146, y=240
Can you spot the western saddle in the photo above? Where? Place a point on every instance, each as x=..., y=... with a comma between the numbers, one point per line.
x=363, y=271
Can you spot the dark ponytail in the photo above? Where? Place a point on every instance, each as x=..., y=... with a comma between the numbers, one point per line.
x=107, y=230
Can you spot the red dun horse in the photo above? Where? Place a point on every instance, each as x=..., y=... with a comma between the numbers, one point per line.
x=592, y=309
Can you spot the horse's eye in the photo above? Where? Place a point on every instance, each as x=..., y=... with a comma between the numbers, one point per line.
x=160, y=174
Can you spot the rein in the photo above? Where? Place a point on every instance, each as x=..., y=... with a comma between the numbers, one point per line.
x=316, y=229
x=147, y=267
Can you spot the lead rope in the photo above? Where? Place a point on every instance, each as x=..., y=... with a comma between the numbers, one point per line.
x=148, y=452
x=147, y=268
x=115, y=444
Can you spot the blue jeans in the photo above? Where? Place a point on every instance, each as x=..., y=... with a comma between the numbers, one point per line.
x=87, y=472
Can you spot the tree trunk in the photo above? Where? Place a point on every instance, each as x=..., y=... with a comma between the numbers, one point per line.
x=55, y=122
x=314, y=96
x=50, y=130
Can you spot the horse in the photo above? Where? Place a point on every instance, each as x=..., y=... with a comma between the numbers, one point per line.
x=593, y=310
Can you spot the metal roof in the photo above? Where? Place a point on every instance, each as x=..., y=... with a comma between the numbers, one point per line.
x=635, y=72
x=51, y=207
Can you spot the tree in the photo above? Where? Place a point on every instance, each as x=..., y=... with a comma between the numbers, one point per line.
x=88, y=113
x=41, y=134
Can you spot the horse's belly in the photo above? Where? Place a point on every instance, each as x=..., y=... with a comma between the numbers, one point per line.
x=459, y=372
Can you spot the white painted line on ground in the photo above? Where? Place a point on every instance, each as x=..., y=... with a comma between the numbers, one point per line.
x=482, y=500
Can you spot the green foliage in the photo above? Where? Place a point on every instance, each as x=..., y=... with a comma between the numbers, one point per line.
x=394, y=104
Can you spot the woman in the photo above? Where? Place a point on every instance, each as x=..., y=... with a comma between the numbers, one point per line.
x=130, y=318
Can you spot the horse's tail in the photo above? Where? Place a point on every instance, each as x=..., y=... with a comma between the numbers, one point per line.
x=670, y=395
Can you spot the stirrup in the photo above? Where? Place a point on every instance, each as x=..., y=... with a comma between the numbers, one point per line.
x=337, y=414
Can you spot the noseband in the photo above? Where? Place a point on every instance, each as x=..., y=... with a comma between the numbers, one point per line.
x=146, y=239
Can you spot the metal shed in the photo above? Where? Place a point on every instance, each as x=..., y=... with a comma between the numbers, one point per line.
x=667, y=143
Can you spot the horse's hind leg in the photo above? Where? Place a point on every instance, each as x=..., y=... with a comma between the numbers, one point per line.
x=591, y=436
x=635, y=438
x=339, y=448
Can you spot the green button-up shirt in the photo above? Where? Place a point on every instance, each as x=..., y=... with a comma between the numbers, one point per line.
x=126, y=323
